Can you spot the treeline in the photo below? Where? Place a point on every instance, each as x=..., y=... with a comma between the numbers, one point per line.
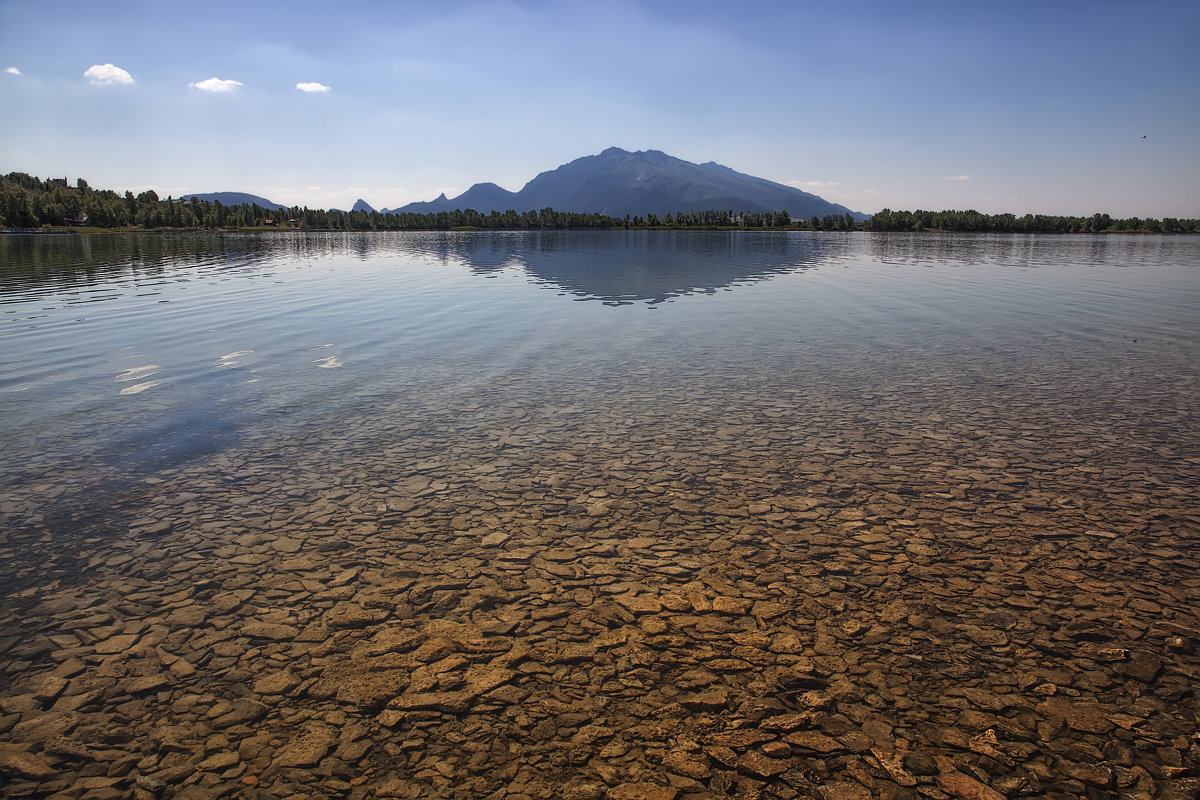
x=29, y=202
x=449, y=220
x=712, y=219
x=973, y=221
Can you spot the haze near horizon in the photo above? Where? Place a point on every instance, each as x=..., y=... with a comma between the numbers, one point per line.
x=1065, y=108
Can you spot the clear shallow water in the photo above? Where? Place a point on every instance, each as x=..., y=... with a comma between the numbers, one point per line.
x=132, y=351
x=564, y=514
x=174, y=340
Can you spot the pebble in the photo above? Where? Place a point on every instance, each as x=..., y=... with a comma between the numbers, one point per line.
x=307, y=748
x=17, y=762
x=966, y=788
x=901, y=593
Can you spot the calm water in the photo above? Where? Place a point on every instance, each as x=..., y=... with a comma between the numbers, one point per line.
x=121, y=354
x=561, y=514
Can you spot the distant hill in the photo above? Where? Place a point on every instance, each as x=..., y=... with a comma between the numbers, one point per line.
x=361, y=205
x=234, y=199
x=618, y=183
x=484, y=197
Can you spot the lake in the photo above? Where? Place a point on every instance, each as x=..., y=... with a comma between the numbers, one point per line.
x=588, y=514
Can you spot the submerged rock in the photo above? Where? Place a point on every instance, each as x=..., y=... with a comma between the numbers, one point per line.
x=821, y=596
x=18, y=762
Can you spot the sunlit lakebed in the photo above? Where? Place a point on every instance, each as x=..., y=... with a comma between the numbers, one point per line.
x=600, y=514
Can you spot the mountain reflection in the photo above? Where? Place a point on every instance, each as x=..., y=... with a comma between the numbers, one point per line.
x=620, y=267
x=613, y=267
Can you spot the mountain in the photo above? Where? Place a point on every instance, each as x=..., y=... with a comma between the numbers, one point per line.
x=361, y=205
x=481, y=197
x=234, y=199
x=617, y=182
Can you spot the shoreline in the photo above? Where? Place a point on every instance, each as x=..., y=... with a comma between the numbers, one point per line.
x=465, y=229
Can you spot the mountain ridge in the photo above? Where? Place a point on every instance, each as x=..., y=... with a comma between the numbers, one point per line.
x=233, y=199
x=619, y=183
x=484, y=197
x=616, y=183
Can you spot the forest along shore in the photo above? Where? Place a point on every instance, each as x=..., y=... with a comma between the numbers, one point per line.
x=27, y=202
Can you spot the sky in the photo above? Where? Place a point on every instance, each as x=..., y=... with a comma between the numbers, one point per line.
x=1054, y=106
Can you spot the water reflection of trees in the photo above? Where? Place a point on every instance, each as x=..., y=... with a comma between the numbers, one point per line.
x=64, y=262
x=610, y=266
x=1028, y=250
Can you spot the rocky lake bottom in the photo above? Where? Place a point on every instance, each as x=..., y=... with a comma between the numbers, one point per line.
x=915, y=578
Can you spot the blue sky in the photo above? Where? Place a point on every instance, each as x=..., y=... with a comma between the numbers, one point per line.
x=1023, y=107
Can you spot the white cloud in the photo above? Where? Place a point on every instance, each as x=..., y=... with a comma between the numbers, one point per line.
x=216, y=85
x=103, y=74
x=312, y=87
x=958, y=177
x=13, y=71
